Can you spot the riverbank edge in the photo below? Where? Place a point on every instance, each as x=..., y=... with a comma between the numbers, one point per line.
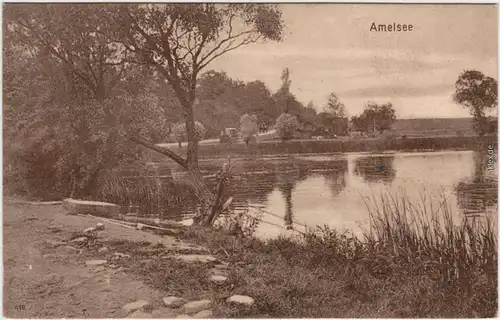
x=268, y=148
x=286, y=280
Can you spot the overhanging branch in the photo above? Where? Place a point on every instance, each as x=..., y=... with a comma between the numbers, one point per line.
x=169, y=153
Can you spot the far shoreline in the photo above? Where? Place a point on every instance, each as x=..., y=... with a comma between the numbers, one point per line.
x=334, y=146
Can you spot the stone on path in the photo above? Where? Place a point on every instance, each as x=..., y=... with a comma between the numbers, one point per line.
x=218, y=278
x=121, y=255
x=133, y=306
x=100, y=209
x=218, y=272
x=95, y=262
x=238, y=299
x=173, y=302
x=164, y=313
x=67, y=249
x=54, y=243
x=140, y=315
x=103, y=249
x=196, y=306
x=221, y=266
x=79, y=240
x=55, y=229
x=89, y=230
x=99, y=226
x=196, y=258
x=99, y=269
x=204, y=314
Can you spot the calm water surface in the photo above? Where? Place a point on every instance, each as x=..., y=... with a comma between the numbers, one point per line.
x=329, y=189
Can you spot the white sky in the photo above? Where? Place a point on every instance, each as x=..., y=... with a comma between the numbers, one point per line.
x=329, y=48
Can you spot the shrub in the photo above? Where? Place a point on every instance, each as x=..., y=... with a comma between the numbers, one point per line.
x=179, y=131
x=286, y=125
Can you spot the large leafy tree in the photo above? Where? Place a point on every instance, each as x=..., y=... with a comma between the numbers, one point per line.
x=99, y=42
x=57, y=137
x=478, y=93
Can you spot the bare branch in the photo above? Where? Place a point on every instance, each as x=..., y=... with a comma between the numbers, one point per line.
x=229, y=48
x=169, y=153
x=203, y=60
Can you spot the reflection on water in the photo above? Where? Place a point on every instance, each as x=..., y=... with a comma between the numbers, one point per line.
x=478, y=194
x=319, y=190
x=375, y=168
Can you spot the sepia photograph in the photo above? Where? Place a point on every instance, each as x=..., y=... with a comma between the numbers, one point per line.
x=244, y=160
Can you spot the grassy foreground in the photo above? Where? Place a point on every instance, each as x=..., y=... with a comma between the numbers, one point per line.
x=415, y=262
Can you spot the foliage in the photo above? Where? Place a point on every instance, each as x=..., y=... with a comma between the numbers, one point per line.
x=286, y=125
x=179, y=131
x=335, y=107
x=380, y=117
x=222, y=101
x=360, y=123
x=248, y=126
x=74, y=126
x=478, y=93
x=180, y=40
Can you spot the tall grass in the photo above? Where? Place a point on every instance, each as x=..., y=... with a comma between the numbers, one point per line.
x=415, y=260
x=144, y=195
x=427, y=238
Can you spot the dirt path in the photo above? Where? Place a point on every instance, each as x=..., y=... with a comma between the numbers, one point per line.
x=47, y=279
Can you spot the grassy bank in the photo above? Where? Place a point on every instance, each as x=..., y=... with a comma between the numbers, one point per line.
x=414, y=262
x=334, y=146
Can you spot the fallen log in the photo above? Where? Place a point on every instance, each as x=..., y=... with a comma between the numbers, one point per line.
x=96, y=208
x=166, y=225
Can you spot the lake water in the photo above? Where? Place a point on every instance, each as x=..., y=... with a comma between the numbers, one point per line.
x=329, y=189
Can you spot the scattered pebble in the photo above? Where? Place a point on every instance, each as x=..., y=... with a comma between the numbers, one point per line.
x=218, y=272
x=55, y=243
x=221, y=266
x=140, y=226
x=79, y=240
x=196, y=258
x=218, y=278
x=55, y=229
x=196, y=306
x=140, y=315
x=68, y=249
x=99, y=269
x=245, y=300
x=89, y=230
x=95, y=262
x=204, y=314
x=99, y=226
x=121, y=255
x=173, y=302
x=133, y=306
x=103, y=249
x=164, y=313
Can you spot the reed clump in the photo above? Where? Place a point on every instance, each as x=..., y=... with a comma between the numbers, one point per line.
x=415, y=260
